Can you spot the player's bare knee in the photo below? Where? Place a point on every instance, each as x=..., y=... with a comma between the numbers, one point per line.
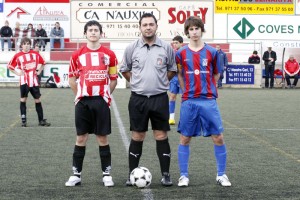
x=138, y=136
x=218, y=139
x=185, y=140
x=81, y=140
x=102, y=140
x=160, y=135
x=172, y=97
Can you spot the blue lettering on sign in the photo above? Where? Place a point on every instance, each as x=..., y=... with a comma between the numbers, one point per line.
x=240, y=74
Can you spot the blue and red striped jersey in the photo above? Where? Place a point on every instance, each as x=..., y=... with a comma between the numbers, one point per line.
x=198, y=70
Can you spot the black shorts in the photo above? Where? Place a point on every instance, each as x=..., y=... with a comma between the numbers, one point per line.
x=92, y=115
x=34, y=91
x=142, y=108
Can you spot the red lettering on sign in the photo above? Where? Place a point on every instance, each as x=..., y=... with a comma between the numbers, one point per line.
x=182, y=15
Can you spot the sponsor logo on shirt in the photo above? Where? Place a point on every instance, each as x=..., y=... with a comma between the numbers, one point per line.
x=95, y=75
x=29, y=66
x=204, y=62
x=197, y=72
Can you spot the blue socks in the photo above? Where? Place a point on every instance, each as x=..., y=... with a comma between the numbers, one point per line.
x=221, y=155
x=183, y=159
x=171, y=106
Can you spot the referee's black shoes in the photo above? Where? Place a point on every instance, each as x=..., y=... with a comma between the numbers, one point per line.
x=166, y=180
x=44, y=123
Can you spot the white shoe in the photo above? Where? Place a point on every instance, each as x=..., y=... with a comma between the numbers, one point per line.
x=223, y=181
x=73, y=181
x=107, y=181
x=183, y=181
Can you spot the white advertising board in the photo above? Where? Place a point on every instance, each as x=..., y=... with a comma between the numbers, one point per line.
x=120, y=18
x=61, y=69
x=258, y=27
x=39, y=13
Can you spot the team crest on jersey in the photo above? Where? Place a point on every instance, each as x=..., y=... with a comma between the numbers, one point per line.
x=204, y=62
x=106, y=59
x=159, y=61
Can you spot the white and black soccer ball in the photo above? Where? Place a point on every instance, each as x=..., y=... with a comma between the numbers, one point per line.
x=140, y=177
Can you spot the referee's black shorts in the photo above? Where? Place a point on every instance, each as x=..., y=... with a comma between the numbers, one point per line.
x=92, y=115
x=34, y=91
x=142, y=108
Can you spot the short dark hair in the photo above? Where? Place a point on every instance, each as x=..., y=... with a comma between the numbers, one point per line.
x=193, y=21
x=145, y=15
x=178, y=38
x=25, y=40
x=255, y=52
x=92, y=23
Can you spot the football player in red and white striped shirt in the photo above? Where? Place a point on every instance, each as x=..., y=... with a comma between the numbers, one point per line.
x=92, y=77
x=28, y=64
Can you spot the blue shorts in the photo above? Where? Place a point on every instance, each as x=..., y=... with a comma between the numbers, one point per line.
x=175, y=86
x=200, y=117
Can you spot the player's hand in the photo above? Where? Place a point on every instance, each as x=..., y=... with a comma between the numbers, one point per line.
x=22, y=73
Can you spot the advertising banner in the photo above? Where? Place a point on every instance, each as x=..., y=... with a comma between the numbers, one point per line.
x=282, y=44
x=261, y=7
x=240, y=74
x=61, y=69
x=37, y=1
x=258, y=27
x=39, y=13
x=120, y=18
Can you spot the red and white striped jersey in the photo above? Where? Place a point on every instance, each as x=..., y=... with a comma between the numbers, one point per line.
x=28, y=63
x=93, y=69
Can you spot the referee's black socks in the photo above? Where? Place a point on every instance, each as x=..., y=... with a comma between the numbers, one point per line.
x=135, y=153
x=163, y=151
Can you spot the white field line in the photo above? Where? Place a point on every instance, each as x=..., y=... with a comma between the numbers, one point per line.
x=147, y=193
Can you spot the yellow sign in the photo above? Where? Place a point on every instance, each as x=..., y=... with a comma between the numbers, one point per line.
x=262, y=7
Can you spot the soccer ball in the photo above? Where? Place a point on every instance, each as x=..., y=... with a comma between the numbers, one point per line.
x=140, y=177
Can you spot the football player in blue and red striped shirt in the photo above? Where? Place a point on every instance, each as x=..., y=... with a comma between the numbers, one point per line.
x=198, y=73
x=174, y=83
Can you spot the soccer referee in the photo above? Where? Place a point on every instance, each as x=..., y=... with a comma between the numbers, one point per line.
x=149, y=64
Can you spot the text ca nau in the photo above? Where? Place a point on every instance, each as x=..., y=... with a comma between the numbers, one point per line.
x=116, y=15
